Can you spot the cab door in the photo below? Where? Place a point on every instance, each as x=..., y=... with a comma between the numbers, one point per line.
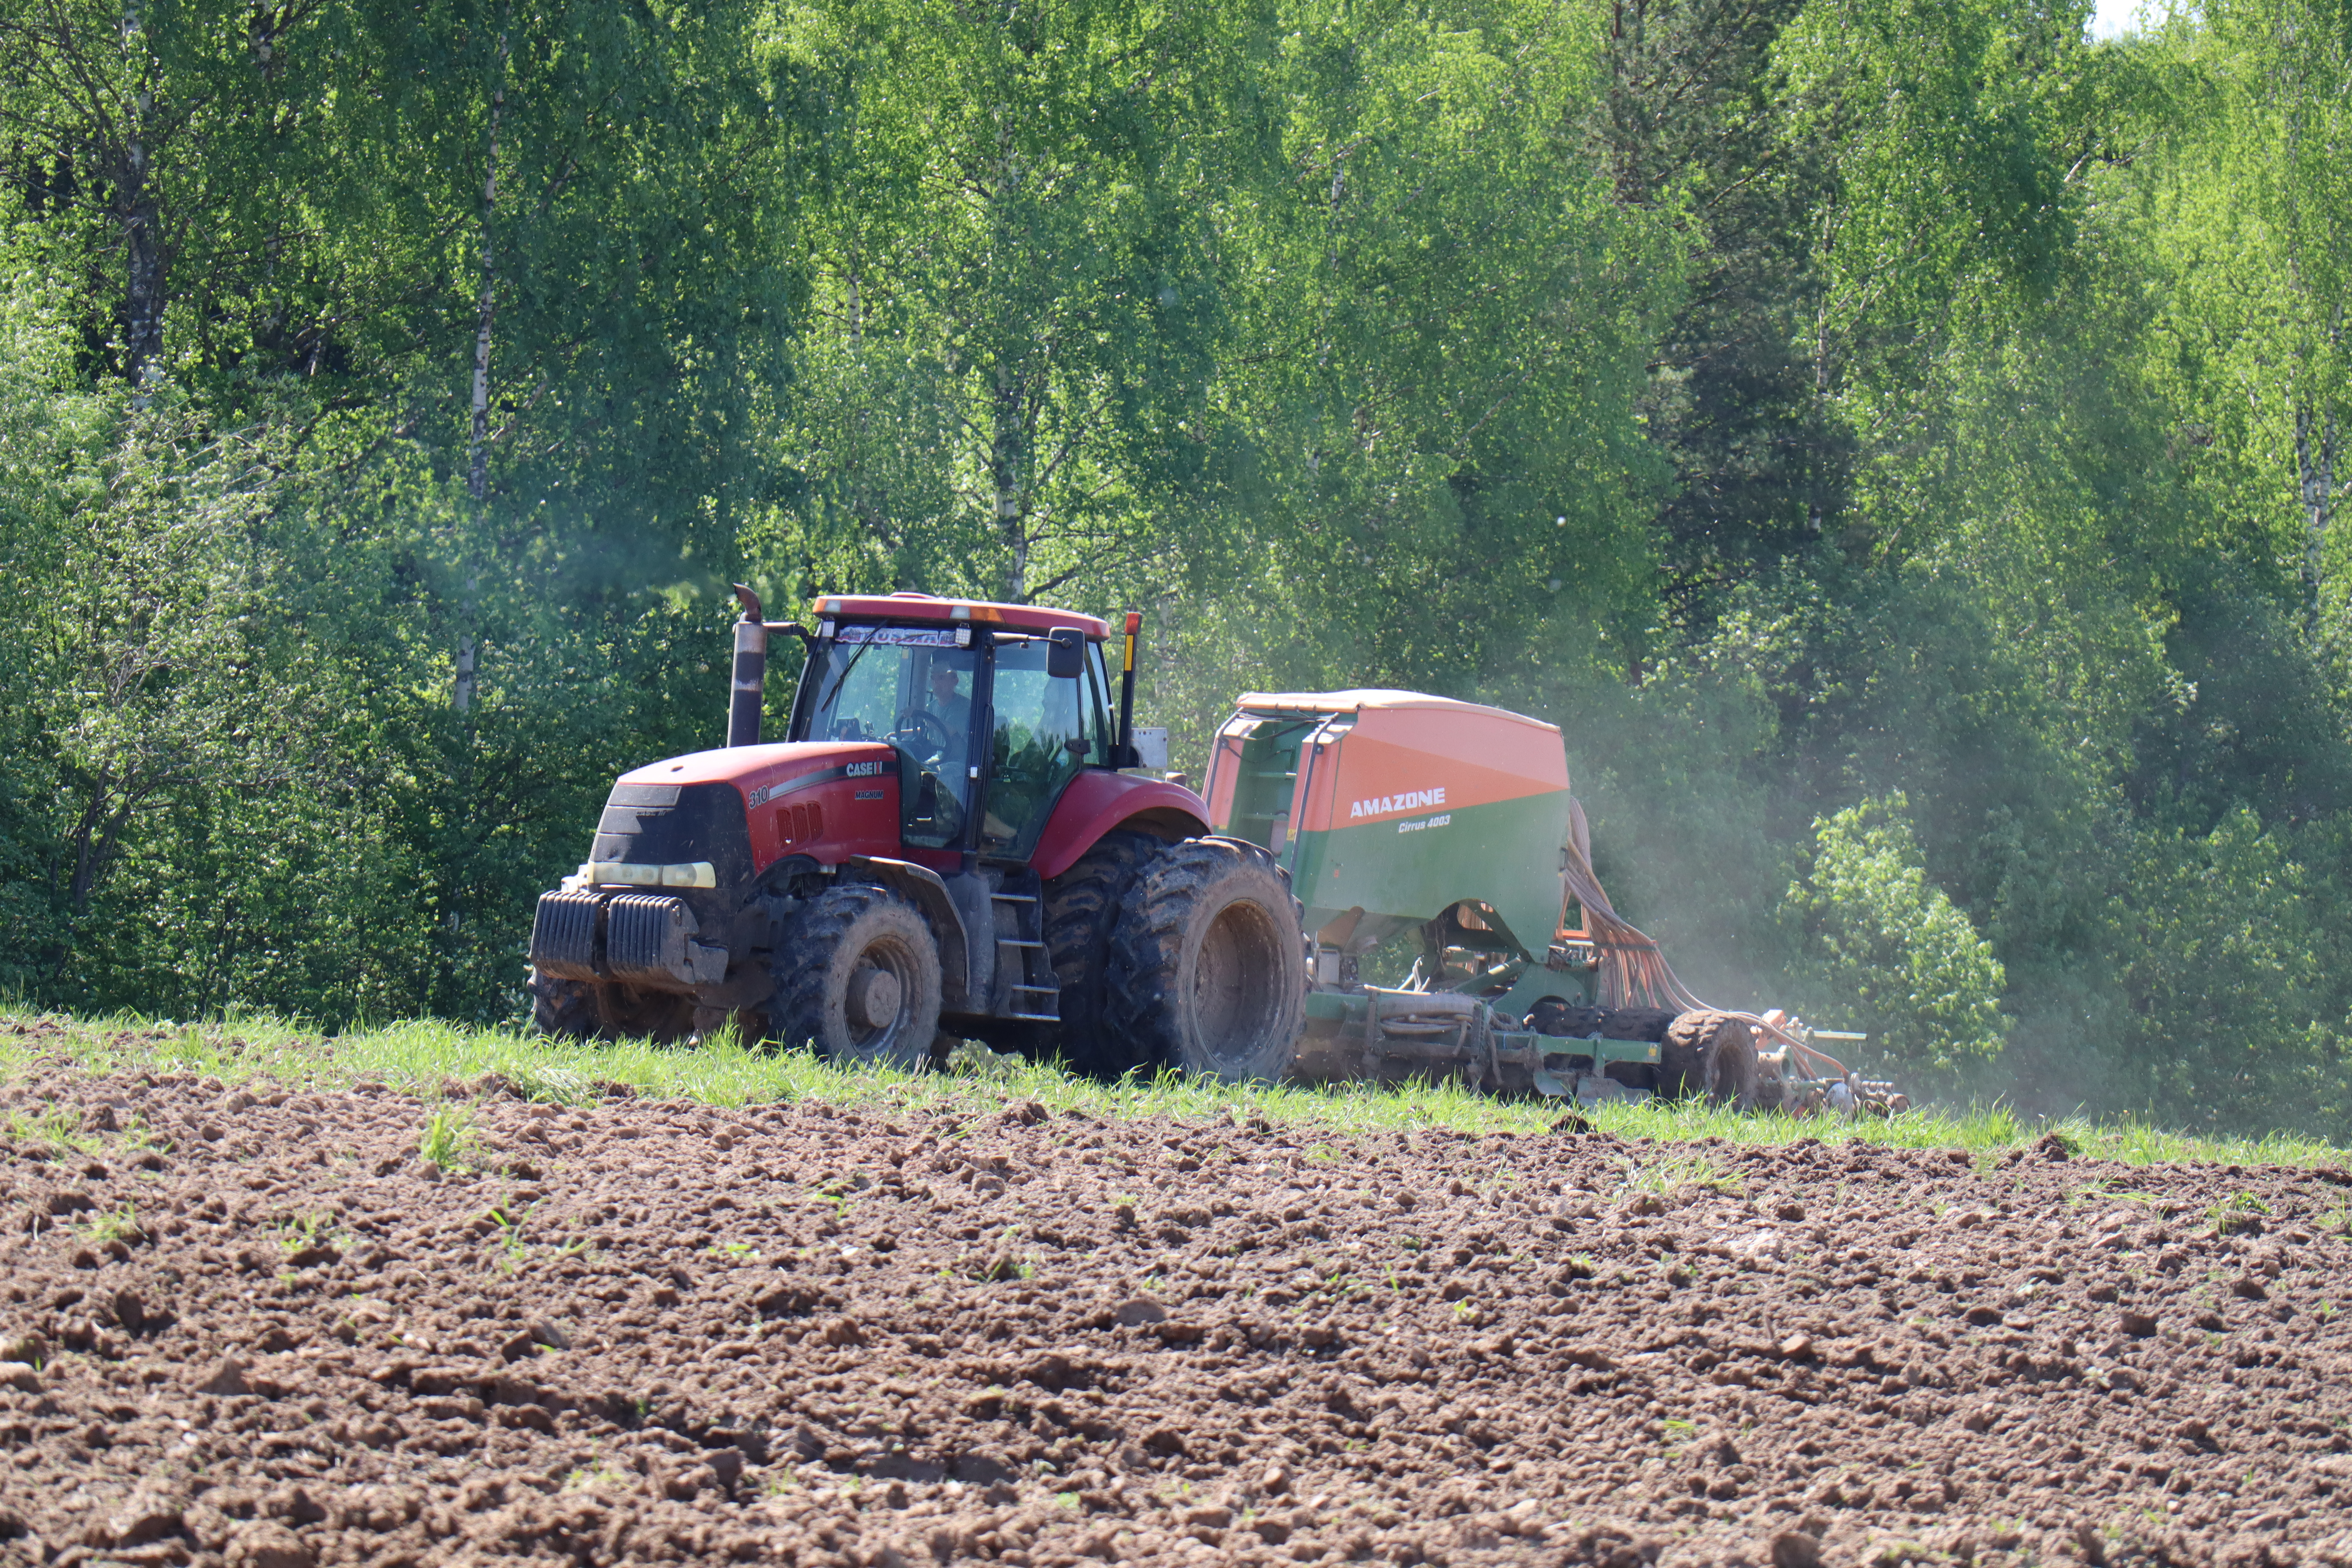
x=1043, y=730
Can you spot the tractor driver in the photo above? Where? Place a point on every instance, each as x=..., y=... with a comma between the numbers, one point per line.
x=954, y=709
x=934, y=790
x=949, y=703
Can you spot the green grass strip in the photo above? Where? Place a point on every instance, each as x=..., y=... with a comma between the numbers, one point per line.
x=434, y=1059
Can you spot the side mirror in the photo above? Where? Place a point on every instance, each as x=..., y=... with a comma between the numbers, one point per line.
x=1065, y=653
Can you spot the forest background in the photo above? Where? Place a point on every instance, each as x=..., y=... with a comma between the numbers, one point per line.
x=1896, y=441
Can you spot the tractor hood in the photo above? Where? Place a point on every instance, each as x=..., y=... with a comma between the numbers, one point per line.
x=743, y=808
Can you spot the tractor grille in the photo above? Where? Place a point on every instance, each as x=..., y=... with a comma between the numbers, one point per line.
x=667, y=825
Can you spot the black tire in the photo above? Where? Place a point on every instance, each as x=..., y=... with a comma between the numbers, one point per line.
x=1556, y=1015
x=565, y=1008
x=1082, y=906
x=857, y=977
x=1637, y=1023
x=1207, y=970
x=585, y=1010
x=1710, y=1054
x=1734, y=1074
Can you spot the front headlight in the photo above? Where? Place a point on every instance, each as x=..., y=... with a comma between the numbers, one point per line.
x=687, y=874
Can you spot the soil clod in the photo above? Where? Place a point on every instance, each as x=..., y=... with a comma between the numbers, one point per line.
x=227, y=1377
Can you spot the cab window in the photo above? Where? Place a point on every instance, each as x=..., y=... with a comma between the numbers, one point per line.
x=911, y=688
x=1097, y=702
x=1046, y=730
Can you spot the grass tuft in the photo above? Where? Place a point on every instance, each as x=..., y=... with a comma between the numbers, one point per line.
x=55, y=1130
x=448, y=1134
x=1666, y=1174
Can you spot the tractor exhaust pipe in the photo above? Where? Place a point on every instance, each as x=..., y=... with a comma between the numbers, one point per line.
x=750, y=671
x=1127, y=757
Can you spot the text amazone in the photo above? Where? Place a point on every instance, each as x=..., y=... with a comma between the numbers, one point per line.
x=1411, y=800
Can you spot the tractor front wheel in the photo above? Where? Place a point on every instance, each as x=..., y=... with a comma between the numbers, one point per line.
x=633, y=1013
x=1207, y=973
x=591, y=1010
x=564, y=1008
x=857, y=977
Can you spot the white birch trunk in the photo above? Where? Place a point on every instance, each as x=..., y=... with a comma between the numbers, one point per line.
x=478, y=457
x=2315, y=462
x=135, y=209
x=1008, y=464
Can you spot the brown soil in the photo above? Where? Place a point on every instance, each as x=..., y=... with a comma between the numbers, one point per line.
x=654, y=1331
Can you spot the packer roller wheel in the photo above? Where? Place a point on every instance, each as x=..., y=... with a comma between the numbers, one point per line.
x=1639, y=1024
x=1710, y=1054
x=1552, y=1015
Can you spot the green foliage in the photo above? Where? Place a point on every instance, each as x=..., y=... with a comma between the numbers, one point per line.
x=1949, y=126
x=1018, y=294
x=2246, y=223
x=1892, y=948
x=236, y=771
x=2229, y=982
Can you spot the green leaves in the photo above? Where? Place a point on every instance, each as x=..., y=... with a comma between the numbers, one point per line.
x=1953, y=131
x=2243, y=221
x=2228, y=976
x=1018, y=308
x=1893, y=953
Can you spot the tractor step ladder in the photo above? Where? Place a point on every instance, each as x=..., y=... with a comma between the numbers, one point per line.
x=1036, y=996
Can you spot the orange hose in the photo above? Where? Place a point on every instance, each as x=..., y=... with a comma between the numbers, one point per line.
x=1634, y=971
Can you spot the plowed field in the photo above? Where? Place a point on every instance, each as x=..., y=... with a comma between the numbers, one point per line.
x=253, y=1328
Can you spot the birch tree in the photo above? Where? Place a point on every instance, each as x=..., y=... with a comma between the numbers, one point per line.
x=125, y=127
x=1446, y=319
x=2252, y=205
x=1019, y=284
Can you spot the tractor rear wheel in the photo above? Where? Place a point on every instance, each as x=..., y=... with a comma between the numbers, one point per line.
x=1082, y=905
x=857, y=977
x=1207, y=970
x=1711, y=1054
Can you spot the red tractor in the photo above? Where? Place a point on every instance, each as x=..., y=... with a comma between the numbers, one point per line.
x=946, y=845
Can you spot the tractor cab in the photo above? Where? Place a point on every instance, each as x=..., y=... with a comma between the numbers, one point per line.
x=988, y=720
